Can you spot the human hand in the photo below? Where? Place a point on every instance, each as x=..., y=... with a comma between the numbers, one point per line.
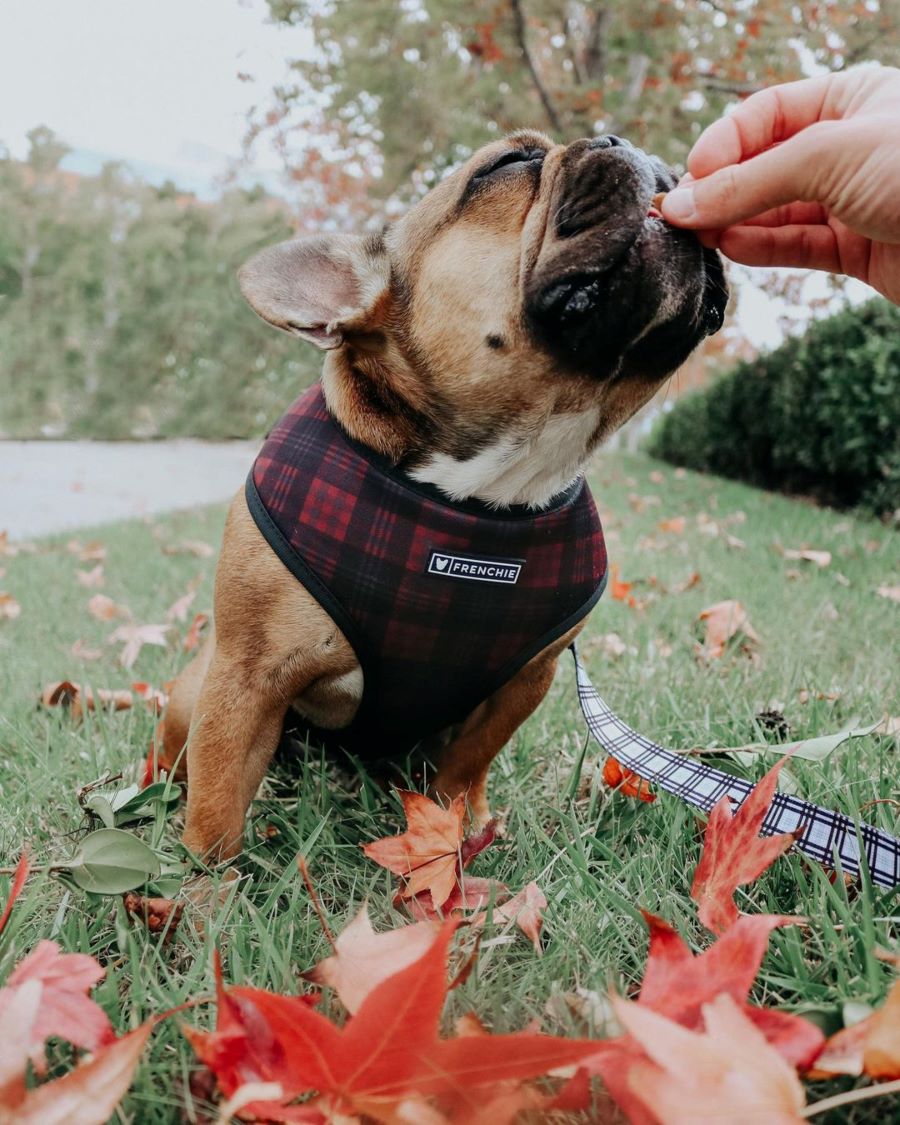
x=804, y=174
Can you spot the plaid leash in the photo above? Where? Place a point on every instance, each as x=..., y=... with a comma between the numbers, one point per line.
x=826, y=834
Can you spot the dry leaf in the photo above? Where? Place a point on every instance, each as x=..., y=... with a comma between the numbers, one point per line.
x=66, y=693
x=194, y=633
x=92, y=579
x=871, y=1046
x=178, y=610
x=153, y=697
x=134, y=637
x=193, y=547
x=159, y=915
x=526, y=909
x=626, y=781
x=9, y=607
x=724, y=620
x=675, y=525
x=688, y=583
x=890, y=592
x=820, y=559
x=734, y=853
x=362, y=959
x=105, y=609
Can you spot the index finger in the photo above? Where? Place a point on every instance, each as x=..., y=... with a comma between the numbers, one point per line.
x=764, y=119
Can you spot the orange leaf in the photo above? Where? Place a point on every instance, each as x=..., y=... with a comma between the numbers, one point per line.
x=426, y=854
x=626, y=781
x=9, y=607
x=65, y=693
x=675, y=525
x=362, y=959
x=192, y=636
x=526, y=909
x=724, y=620
x=104, y=608
x=734, y=853
x=870, y=1047
x=617, y=588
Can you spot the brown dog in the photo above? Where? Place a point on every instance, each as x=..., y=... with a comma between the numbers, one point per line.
x=486, y=344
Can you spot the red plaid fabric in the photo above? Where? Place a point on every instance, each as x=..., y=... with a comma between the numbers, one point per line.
x=442, y=602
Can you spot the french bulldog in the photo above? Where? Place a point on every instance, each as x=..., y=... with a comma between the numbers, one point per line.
x=479, y=349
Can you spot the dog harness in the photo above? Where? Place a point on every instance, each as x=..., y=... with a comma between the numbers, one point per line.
x=443, y=602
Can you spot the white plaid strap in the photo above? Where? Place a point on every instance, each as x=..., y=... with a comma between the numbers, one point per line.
x=825, y=833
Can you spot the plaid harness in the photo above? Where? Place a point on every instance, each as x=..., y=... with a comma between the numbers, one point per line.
x=443, y=602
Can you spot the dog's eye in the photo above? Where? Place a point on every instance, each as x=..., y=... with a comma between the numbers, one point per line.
x=516, y=156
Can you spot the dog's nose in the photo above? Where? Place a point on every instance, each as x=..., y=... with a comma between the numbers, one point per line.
x=610, y=140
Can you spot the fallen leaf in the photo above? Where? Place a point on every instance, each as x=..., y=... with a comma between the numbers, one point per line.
x=159, y=915
x=65, y=1009
x=105, y=609
x=724, y=620
x=871, y=1046
x=618, y=589
x=15, y=889
x=820, y=559
x=93, y=578
x=427, y=854
x=675, y=525
x=889, y=725
x=153, y=697
x=82, y=651
x=688, y=583
x=192, y=636
x=890, y=592
x=608, y=644
x=134, y=637
x=626, y=781
x=693, y=1076
x=734, y=853
x=89, y=1094
x=66, y=693
x=193, y=547
x=526, y=909
x=362, y=959
x=178, y=610
x=387, y=1054
x=9, y=607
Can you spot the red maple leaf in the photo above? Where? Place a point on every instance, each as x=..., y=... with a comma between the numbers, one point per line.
x=734, y=853
x=678, y=984
x=389, y=1052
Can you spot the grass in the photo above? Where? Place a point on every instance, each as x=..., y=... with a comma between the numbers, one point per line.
x=597, y=856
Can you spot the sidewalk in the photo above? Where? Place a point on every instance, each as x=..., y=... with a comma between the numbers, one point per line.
x=49, y=486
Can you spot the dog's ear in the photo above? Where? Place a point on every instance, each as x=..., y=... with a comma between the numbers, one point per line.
x=317, y=288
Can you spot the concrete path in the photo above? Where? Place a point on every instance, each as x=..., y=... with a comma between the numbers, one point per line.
x=48, y=486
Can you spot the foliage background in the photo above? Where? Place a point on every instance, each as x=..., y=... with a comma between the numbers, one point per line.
x=820, y=415
x=119, y=315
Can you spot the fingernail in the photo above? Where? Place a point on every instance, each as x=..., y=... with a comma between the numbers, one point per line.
x=679, y=204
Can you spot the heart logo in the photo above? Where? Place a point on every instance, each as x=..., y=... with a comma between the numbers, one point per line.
x=441, y=564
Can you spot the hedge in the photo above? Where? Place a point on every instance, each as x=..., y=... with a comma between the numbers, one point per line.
x=819, y=415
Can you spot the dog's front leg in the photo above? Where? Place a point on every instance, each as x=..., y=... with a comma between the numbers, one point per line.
x=234, y=734
x=464, y=764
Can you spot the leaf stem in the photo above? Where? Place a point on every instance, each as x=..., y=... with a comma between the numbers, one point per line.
x=858, y=1095
x=317, y=905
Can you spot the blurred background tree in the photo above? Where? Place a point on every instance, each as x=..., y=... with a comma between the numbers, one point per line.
x=402, y=90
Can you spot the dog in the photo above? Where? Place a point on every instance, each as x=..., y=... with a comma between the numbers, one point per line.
x=477, y=351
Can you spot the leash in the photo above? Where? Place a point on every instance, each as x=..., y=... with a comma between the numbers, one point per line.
x=827, y=837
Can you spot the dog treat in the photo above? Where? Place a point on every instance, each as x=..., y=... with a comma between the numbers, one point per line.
x=657, y=200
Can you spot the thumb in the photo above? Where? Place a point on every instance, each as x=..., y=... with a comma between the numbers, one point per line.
x=784, y=174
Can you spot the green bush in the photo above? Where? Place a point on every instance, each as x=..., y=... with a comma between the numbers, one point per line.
x=820, y=415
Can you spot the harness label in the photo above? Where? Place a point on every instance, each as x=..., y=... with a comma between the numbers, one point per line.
x=504, y=571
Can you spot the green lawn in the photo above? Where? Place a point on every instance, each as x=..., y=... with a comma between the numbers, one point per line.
x=597, y=856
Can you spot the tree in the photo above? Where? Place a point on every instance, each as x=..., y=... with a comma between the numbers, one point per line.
x=395, y=92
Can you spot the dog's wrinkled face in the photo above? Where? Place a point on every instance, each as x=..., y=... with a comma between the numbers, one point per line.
x=535, y=285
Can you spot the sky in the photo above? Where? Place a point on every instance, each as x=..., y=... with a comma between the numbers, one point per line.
x=155, y=82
